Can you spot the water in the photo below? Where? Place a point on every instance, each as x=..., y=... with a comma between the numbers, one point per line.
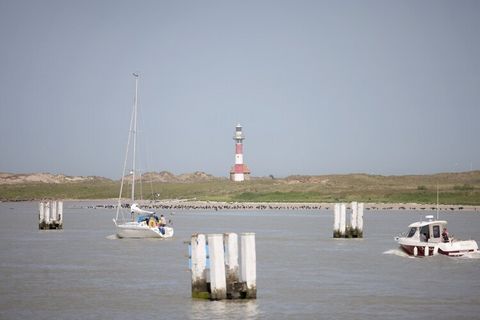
x=83, y=272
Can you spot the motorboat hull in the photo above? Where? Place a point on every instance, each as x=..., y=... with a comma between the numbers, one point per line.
x=452, y=248
x=142, y=230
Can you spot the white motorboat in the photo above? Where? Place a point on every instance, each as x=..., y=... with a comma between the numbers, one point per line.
x=429, y=238
x=139, y=223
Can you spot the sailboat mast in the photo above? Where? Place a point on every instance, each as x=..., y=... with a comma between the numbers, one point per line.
x=134, y=134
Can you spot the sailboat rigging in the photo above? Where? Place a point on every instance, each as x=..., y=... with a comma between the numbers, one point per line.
x=142, y=223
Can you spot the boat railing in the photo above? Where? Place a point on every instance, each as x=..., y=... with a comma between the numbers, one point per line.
x=400, y=235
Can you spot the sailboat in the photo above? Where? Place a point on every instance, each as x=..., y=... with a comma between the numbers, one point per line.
x=141, y=223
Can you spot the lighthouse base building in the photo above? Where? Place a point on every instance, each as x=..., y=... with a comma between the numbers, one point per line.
x=240, y=172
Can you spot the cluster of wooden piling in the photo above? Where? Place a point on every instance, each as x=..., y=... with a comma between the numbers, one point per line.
x=343, y=229
x=50, y=215
x=216, y=272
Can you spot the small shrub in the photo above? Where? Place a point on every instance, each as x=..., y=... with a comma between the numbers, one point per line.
x=465, y=187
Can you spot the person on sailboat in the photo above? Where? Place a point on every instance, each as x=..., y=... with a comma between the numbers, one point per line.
x=163, y=221
x=161, y=224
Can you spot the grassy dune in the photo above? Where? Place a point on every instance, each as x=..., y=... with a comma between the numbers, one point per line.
x=455, y=188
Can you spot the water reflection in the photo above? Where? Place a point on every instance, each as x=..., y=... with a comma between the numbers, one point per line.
x=224, y=309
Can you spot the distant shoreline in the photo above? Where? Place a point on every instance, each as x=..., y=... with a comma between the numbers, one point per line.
x=459, y=189
x=219, y=206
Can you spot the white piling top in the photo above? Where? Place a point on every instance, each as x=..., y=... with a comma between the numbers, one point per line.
x=248, y=269
x=218, y=283
x=199, y=257
x=343, y=218
x=231, y=250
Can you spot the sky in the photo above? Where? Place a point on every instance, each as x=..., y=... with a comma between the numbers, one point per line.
x=320, y=87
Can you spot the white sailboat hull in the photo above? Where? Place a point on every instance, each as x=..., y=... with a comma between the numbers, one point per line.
x=142, y=230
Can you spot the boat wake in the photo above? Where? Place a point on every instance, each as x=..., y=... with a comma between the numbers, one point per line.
x=471, y=255
x=397, y=252
x=400, y=253
x=111, y=237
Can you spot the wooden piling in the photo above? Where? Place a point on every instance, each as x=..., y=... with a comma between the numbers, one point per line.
x=360, y=219
x=53, y=211
x=216, y=273
x=198, y=267
x=343, y=219
x=60, y=214
x=218, y=285
x=354, y=227
x=50, y=215
x=231, y=265
x=353, y=217
x=41, y=215
x=47, y=213
x=336, y=221
x=248, y=270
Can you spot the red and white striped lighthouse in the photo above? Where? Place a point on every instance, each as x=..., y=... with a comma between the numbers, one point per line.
x=240, y=171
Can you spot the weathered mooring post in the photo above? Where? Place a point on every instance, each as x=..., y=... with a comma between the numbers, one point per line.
x=343, y=219
x=222, y=277
x=198, y=267
x=231, y=264
x=50, y=215
x=60, y=212
x=53, y=207
x=41, y=214
x=218, y=283
x=360, y=220
x=336, y=221
x=248, y=274
x=354, y=229
x=353, y=217
x=47, y=214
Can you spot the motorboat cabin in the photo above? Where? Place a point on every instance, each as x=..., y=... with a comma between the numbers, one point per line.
x=429, y=231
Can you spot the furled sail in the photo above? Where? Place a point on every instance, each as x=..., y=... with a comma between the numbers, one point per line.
x=136, y=209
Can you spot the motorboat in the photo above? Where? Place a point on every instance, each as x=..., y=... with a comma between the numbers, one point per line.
x=430, y=238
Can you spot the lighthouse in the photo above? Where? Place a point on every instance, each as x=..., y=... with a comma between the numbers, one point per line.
x=240, y=171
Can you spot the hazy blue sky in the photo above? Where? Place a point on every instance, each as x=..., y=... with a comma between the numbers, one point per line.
x=381, y=87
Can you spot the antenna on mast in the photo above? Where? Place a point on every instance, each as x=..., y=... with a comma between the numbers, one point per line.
x=135, y=107
x=437, y=201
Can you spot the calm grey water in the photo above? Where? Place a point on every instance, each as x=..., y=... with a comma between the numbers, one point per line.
x=82, y=272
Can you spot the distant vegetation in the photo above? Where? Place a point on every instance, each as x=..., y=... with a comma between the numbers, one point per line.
x=454, y=188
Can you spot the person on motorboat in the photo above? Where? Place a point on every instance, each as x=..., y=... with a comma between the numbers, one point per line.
x=445, y=235
x=423, y=237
